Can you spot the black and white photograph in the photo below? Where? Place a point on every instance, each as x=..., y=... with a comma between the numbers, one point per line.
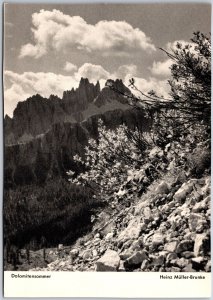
x=107, y=137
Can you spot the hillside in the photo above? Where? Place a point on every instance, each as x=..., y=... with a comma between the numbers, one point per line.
x=119, y=185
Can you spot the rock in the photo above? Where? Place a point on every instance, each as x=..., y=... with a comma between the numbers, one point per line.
x=126, y=254
x=136, y=245
x=171, y=256
x=109, y=236
x=185, y=245
x=137, y=258
x=171, y=246
x=154, y=152
x=132, y=231
x=74, y=253
x=94, y=253
x=181, y=178
x=181, y=262
x=97, y=235
x=121, y=266
x=202, y=205
x=207, y=187
x=162, y=188
x=197, y=223
x=60, y=247
x=189, y=236
x=158, y=239
x=147, y=212
x=208, y=266
x=188, y=268
x=175, y=269
x=198, y=263
x=108, y=262
x=187, y=254
x=185, y=212
x=202, y=244
x=184, y=190
x=145, y=264
x=158, y=260
x=87, y=254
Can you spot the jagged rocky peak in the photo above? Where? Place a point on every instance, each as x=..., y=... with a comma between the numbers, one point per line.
x=80, y=98
x=54, y=98
x=107, y=94
x=7, y=118
x=118, y=85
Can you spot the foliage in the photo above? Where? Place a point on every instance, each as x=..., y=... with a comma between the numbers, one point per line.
x=115, y=163
x=189, y=107
x=191, y=78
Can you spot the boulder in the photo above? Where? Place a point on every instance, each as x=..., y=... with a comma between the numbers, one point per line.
x=94, y=253
x=74, y=252
x=145, y=264
x=87, y=254
x=202, y=244
x=171, y=246
x=171, y=256
x=97, y=235
x=109, y=236
x=132, y=231
x=202, y=205
x=126, y=254
x=185, y=245
x=60, y=247
x=109, y=262
x=207, y=187
x=198, y=263
x=137, y=258
x=181, y=262
x=208, y=266
x=184, y=190
x=121, y=266
x=136, y=245
x=158, y=239
x=187, y=254
x=158, y=260
x=188, y=268
x=147, y=213
x=162, y=188
x=197, y=223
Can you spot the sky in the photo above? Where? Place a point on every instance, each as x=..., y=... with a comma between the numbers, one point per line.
x=48, y=48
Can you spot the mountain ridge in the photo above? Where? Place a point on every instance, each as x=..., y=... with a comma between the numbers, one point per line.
x=37, y=114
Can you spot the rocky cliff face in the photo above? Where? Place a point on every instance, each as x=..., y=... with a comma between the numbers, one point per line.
x=79, y=99
x=44, y=134
x=36, y=115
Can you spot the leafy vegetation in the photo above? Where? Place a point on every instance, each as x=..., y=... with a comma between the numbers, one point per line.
x=122, y=163
x=180, y=128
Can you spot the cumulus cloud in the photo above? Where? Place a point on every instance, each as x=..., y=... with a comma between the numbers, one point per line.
x=21, y=86
x=162, y=68
x=126, y=70
x=69, y=67
x=60, y=32
x=92, y=72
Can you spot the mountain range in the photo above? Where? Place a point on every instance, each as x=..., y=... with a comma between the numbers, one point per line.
x=44, y=134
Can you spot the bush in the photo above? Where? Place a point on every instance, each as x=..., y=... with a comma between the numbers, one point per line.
x=111, y=160
x=200, y=161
